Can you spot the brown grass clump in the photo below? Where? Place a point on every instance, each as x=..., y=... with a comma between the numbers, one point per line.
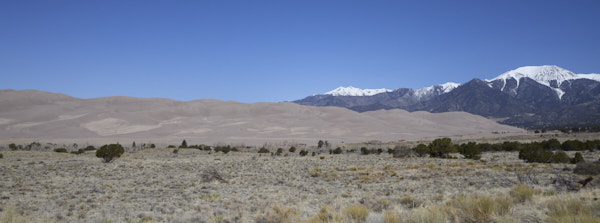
x=357, y=213
x=570, y=210
x=429, y=215
x=521, y=193
x=481, y=208
x=279, y=215
x=315, y=172
x=326, y=215
x=410, y=202
x=390, y=217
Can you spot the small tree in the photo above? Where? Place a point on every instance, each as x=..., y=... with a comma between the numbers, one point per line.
x=320, y=144
x=183, y=144
x=292, y=149
x=303, y=153
x=470, y=150
x=110, y=152
x=133, y=144
x=440, y=147
x=337, y=150
x=560, y=157
x=421, y=150
x=12, y=146
x=578, y=158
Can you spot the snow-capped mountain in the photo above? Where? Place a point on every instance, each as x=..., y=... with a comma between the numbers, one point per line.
x=526, y=96
x=352, y=91
x=548, y=75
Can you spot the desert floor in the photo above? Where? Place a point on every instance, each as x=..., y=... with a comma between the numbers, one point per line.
x=195, y=186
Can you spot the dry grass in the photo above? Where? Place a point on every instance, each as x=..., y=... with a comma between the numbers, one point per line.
x=157, y=185
x=521, y=193
x=357, y=213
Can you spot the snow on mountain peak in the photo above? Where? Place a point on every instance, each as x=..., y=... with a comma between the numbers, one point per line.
x=541, y=74
x=443, y=88
x=352, y=91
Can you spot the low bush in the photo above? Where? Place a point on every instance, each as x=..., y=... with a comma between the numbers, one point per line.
x=80, y=151
x=421, y=150
x=578, y=158
x=470, y=150
x=303, y=153
x=292, y=149
x=535, y=153
x=110, y=152
x=337, y=150
x=60, y=150
x=1, y=156
x=364, y=151
x=89, y=148
x=587, y=168
x=263, y=150
x=560, y=157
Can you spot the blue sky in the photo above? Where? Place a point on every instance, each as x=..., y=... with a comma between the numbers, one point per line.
x=253, y=51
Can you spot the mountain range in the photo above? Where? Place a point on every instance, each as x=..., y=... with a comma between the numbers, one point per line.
x=533, y=96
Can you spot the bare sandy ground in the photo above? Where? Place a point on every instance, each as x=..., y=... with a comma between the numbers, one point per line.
x=43, y=116
x=158, y=185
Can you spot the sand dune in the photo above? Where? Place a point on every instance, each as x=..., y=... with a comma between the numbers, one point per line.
x=47, y=116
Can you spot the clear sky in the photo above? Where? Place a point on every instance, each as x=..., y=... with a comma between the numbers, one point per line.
x=282, y=50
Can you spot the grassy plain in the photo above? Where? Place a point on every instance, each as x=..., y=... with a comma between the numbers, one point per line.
x=195, y=186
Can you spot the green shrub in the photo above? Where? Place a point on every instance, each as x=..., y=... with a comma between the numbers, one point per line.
x=80, y=151
x=263, y=150
x=441, y=147
x=321, y=157
x=535, y=153
x=89, y=148
x=110, y=152
x=421, y=150
x=279, y=151
x=171, y=146
x=578, y=158
x=60, y=150
x=183, y=144
x=390, y=151
x=292, y=149
x=12, y=146
x=560, y=157
x=313, y=154
x=175, y=150
x=303, y=153
x=470, y=150
x=207, y=148
x=337, y=150
x=364, y=151
x=234, y=149
x=551, y=144
x=573, y=145
x=1, y=156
